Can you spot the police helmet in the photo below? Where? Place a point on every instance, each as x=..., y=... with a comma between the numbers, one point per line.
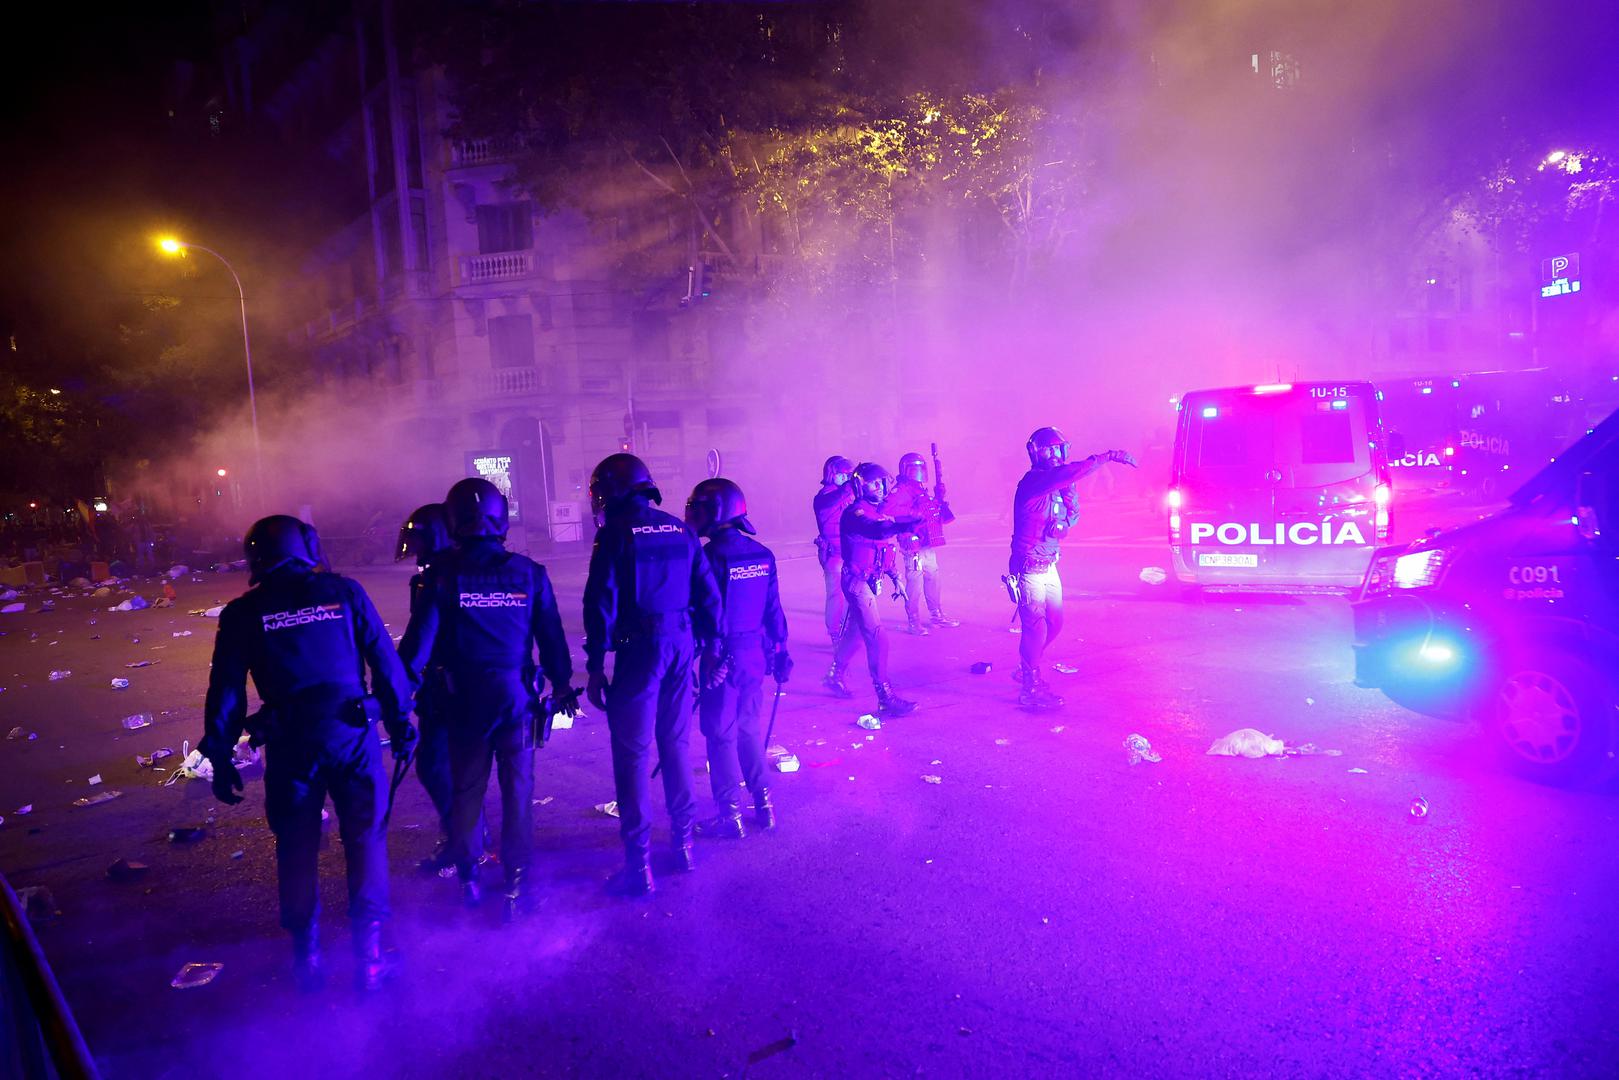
x=836, y=470
x=715, y=504
x=618, y=476
x=914, y=468
x=476, y=508
x=424, y=534
x=1047, y=448
x=872, y=482
x=277, y=540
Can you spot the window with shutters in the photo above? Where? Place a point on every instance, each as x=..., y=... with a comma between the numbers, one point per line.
x=511, y=341
x=505, y=227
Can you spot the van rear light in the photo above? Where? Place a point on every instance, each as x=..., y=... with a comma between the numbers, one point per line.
x=1382, y=496
x=1273, y=388
x=1173, y=499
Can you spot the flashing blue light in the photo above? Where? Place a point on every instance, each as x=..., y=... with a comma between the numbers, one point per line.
x=1436, y=652
x=1380, y=395
x=1427, y=389
x=1455, y=384
x=1340, y=404
x=1210, y=412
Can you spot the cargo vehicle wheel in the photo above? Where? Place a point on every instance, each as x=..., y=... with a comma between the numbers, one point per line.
x=1553, y=718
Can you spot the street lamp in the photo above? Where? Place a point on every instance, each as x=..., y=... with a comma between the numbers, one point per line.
x=174, y=246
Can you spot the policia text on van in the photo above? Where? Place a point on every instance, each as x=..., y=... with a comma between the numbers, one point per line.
x=1281, y=488
x=1514, y=619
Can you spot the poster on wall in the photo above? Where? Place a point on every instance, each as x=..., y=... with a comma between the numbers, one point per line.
x=499, y=468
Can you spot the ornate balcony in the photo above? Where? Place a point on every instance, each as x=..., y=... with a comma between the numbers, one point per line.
x=500, y=266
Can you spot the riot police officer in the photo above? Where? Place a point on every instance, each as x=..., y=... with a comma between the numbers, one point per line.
x=829, y=504
x=307, y=639
x=869, y=559
x=488, y=609
x=752, y=642
x=423, y=537
x=1044, y=507
x=648, y=584
x=911, y=498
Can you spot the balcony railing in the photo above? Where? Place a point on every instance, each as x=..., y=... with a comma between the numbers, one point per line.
x=485, y=151
x=509, y=382
x=500, y=266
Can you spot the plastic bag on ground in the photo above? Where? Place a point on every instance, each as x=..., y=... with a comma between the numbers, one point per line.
x=1140, y=749
x=1154, y=575
x=192, y=976
x=1249, y=743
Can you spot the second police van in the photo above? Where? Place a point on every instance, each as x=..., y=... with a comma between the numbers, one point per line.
x=1282, y=487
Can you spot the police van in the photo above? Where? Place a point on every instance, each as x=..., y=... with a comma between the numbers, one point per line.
x=1420, y=416
x=1513, y=620
x=1278, y=488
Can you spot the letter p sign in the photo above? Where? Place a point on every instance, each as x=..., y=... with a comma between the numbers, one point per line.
x=1559, y=265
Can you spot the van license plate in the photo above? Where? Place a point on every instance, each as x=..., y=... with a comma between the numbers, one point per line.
x=1241, y=558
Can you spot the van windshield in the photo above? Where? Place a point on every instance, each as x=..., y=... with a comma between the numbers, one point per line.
x=1237, y=438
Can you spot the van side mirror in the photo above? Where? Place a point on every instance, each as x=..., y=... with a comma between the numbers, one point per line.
x=1396, y=445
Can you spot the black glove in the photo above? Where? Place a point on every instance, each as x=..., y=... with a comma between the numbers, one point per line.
x=402, y=740
x=564, y=700
x=227, y=781
x=1122, y=457
x=781, y=666
x=714, y=671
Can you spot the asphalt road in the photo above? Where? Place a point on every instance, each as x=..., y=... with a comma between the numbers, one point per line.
x=1046, y=909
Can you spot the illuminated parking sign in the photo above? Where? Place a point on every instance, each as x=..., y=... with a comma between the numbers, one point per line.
x=500, y=469
x=1560, y=275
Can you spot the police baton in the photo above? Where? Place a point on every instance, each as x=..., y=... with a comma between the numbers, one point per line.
x=401, y=770
x=775, y=707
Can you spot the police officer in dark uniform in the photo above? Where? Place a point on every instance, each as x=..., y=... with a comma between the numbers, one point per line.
x=829, y=504
x=307, y=638
x=1044, y=508
x=752, y=643
x=423, y=537
x=648, y=584
x=911, y=498
x=484, y=611
x=870, y=558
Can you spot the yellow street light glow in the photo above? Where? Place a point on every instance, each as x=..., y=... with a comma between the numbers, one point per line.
x=170, y=246
x=54, y=390
x=219, y=472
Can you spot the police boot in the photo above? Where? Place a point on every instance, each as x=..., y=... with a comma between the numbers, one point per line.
x=941, y=619
x=890, y=703
x=918, y=627
x=634, y=880
x=307, y=970
x=764, y=811
x=1037, y=695
x=728, y=826
x=471, y=891
x=833, y=684
x=371, y=969
x=685, y=854
x=514, y=893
